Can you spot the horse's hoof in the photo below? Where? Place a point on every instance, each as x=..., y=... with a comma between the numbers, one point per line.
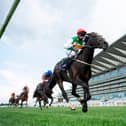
x=82, y=101
x=84, y=107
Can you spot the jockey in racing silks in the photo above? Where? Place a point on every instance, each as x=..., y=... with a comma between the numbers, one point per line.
x=25, y=90
x=46, y=75
x=13, y=95
x=41, y=86
x=73, y=47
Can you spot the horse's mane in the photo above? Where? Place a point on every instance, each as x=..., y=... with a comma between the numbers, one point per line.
x=95, y=37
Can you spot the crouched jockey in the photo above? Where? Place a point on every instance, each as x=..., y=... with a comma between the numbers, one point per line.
x=73, y=47
x=25, y=91
x=40, y=89
x=13, y=95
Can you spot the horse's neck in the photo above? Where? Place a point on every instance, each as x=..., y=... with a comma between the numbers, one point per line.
x=86, y=55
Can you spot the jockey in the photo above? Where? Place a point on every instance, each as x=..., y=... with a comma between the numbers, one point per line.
x=41, y=86
x=13, y=95
x=74, y=45
x=24, y=90
x=46, y=75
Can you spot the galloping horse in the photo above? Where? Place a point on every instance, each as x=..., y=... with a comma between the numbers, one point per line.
x=12, y=99
x=79, y=72
x=40, y=95
x=23, y=97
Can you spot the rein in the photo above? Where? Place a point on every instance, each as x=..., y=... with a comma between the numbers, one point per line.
x=80, y=61
x=85, y=63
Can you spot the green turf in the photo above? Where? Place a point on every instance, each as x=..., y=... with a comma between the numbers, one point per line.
x=62, y=116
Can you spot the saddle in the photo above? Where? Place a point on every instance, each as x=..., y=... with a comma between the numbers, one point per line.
x=65, y=63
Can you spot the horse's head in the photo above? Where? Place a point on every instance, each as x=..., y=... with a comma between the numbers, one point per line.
x=96, y=41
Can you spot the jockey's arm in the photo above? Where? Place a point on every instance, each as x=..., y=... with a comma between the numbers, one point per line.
x=69, y=45
x=73, y=46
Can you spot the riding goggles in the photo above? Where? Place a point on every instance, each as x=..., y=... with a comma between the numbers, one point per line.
x=82, y=34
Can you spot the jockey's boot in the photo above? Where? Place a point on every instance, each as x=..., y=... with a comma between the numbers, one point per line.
x=63, y=67
x=66, y=63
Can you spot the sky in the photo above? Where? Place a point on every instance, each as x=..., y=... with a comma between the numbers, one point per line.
x=34, y=39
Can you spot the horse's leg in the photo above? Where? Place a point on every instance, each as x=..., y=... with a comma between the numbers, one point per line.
x=88, y=94
x=9, y=102
x=36, y=102
x=44, y=102
x=64, y=94
x=17, y=102
x=40, y=105
x=21, y=103
x=86, y=97
x=26, y=103
x=51, y=101
x=46, y=99
x=74, y=87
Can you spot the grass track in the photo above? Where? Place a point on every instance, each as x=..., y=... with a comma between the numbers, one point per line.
x=61, y=116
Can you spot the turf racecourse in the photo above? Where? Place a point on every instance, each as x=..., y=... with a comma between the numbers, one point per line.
x=62, y=116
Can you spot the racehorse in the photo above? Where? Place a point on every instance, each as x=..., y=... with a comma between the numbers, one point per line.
x=40, y=95
x=12, y=100
x=79, y=71
x=23, y=97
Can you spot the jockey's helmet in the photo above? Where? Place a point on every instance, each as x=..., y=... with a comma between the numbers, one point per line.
x=81, y=32
x=47, y=73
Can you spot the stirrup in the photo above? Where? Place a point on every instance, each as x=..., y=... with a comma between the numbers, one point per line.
x=64, y=67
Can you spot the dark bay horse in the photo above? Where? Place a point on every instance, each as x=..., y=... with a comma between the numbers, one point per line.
x=79, y=72
x=40, y=95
